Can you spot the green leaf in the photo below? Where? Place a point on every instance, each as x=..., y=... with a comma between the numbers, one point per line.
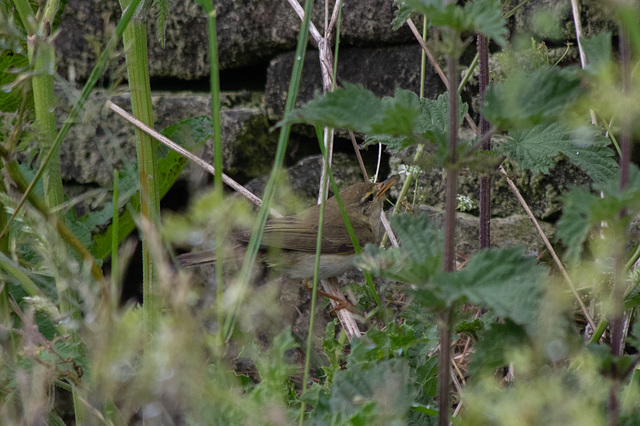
x=417, y=259
x=485, y=17
x=576, y=220
x=350, y=108
x=10, y=64
x=503, y=280
x=190, y=134
x=162, y=7
x=402, y=14
x=492, y=349
x=431, y=124
x=399, y=115
x=380, y=394
x=591, y=151
x=526, y=99
x=598, y=52
x=537, y=147
x=583, y=210
x=482, y=16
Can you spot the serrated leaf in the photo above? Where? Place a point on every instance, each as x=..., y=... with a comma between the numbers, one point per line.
x=417, y=259
x=402, y=14
x=482, y=16
x=583, y=210
x=491, y=350
x=573, y=226
x=598, y=52
x=527, y=99
x=485, y=17
x=432, y=124
x=10, y=63
x=351, y=108
x=591, y=151
x=504, y=280
x=384, y=387
x=537, y=147
x=162, y=8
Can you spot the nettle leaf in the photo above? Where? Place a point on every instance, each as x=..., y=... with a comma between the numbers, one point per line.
x=576, y=220
x=486, y=18
x=351, y=108
x=431, y=124
x=504, y=280
x=417, y=259
x=11, y=96
x=399, y=114
x=582, y=210
x=537, y=147
x=356, y=394
x=482, y=16
x=492, y=349
x=402, y=14
x=598, y=52
x=592, y=153
x=527, y=99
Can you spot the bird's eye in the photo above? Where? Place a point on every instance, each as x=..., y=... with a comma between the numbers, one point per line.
x=370, y=197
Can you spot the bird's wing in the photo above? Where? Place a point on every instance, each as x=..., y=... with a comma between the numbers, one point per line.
x=289, y=233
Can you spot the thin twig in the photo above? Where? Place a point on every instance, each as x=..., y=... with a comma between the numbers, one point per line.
x=180, y=150
x=387, y=228
x=332, y=287
x=358, y=156
x=583, y=58
x=315, y=34
x=526, y=208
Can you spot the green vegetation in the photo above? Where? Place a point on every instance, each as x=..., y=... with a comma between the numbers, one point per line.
x=498, y=338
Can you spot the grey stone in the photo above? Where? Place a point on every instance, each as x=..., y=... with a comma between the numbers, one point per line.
x=541, y=192
x=511, y=231
x=553, y=19
x=249, y=32
x=101, y=141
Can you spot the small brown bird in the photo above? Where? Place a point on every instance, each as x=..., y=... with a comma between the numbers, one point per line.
x=296, y=236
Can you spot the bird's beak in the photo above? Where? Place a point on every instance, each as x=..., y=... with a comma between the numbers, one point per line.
x=385, y=185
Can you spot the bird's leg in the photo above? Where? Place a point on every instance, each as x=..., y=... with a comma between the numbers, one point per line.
x=342, y=302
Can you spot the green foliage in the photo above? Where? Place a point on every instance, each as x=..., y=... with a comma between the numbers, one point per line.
x=190, y=134
x=385, y=374
x=377, y=394
x=10, y=95
x=538, y=147
x=584, y=210
x=492, y=351
x=431, y=124
x=503, y=280
x=482, y=16
x=355, y=108
x=527, y=59
x=403, y=13
x=525, y=99
x=417, y=259
x=598, y=52
x=398, y=121
x=162, y=8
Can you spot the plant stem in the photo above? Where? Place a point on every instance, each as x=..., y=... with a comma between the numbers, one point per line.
x=485, y=181
x=283, y=139
x=444, y=325
x=135, y=45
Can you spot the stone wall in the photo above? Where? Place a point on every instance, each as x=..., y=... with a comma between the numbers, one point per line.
x=256, y=43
